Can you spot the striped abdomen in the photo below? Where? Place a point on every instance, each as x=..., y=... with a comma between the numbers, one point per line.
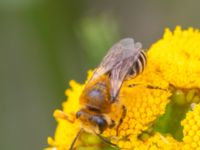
x=138, y=66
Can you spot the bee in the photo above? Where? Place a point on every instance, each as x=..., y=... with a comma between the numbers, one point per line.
x=99, y=100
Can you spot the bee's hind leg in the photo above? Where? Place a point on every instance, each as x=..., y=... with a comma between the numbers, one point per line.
x=121, y=119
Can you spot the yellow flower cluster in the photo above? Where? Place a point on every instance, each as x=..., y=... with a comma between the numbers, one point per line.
x=155, y=142
x=177, y=57
x=173, y=64
x=143, y=106
x=192, y=129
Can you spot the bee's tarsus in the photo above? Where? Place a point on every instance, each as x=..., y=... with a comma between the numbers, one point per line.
x=75, y=139
x=147, y=86
x=154, y=87
x=105, y=140
x=132, y=85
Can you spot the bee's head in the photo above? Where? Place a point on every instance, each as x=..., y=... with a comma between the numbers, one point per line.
x=92, y=122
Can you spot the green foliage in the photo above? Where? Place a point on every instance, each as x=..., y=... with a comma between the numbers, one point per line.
x=170, y=121
x=97, y=35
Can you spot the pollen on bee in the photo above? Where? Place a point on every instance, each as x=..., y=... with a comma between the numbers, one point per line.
x=62, y=115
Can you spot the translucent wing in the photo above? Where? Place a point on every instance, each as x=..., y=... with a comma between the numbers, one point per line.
x=119, y=59
x=120, y=70
x=118, y=73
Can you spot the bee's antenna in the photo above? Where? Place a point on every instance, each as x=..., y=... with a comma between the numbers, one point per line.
x=105, y=140
x=75, y=139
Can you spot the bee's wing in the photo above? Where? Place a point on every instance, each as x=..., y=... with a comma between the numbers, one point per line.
x=118, y=52
x=117, y=62
x=121, y=68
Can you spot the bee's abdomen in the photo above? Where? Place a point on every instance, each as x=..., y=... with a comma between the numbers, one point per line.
x=138, y=66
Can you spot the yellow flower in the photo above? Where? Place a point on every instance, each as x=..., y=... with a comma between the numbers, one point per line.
x=66, y=131
x=169, y=83
x=177, y=56
x=192, y=129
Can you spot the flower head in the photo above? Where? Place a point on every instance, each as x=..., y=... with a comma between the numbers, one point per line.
x=191, y=129
x=168, y=86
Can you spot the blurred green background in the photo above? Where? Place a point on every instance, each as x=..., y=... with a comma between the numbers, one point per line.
x=45, y=43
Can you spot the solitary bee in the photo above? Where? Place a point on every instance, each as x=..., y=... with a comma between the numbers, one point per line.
x=99, y=100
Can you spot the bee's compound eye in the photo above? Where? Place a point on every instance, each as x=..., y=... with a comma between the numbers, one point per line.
x=78, y=114
x=102, y=124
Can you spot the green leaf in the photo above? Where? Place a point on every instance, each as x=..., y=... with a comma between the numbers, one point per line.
x=170, y=121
